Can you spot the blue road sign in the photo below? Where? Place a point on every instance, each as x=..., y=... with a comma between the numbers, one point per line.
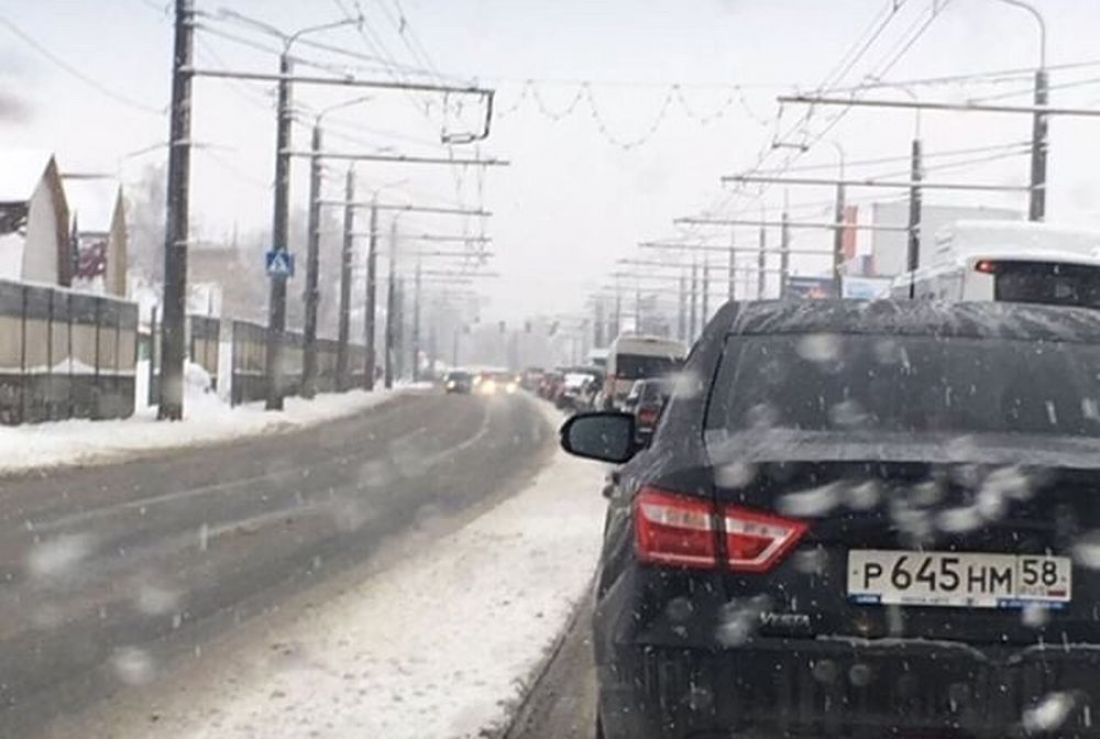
x=279, y=263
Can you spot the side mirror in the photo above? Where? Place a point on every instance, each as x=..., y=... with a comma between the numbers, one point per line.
x=606, y=436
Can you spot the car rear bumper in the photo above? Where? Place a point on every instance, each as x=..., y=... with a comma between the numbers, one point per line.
x=818, y=688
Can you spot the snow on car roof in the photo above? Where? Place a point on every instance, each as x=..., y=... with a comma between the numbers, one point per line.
x=20, y=171
x=919, y=318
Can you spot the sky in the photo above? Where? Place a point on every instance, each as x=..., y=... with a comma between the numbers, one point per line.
x=572, y=200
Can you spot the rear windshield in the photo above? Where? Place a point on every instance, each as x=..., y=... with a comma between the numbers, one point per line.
x=639, y=366
x=458, y=376
x=829, y=382
x=1047, y=282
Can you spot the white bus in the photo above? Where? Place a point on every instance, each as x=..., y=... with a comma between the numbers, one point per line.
x=635, y=357
x=1008, y=261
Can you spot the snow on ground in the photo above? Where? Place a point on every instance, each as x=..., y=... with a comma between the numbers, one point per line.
x=437, y=646
x=207, y=419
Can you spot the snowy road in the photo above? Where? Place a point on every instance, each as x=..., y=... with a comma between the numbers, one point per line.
x=562, y=705
x=112, y=575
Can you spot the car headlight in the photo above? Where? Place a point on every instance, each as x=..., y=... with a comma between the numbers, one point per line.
x=510, y=388
x=488, y=387
x=450, y=383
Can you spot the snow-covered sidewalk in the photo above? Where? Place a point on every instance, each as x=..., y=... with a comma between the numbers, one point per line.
x=436, y=646
x=207, y=420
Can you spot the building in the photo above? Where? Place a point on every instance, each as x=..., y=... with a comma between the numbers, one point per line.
x=99, y=233
x=35, y=244
x=889, y=249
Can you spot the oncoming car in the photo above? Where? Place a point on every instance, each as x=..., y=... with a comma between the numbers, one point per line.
x=458, y=381
x=865, y=520
x=490, y=383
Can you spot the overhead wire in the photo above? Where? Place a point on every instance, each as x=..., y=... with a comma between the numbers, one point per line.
x=88, y=80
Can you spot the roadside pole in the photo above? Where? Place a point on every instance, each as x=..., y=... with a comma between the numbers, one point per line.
x=784, y=252
x=313, y=258
x=371, y=301
x=416, y=326
x=1037, y=204
x=391, y=306
x=276, y=317
x=761, y=264
x=731, y=290
x=344, y=325
x=838, y=239
x=681, y=314
x=176, y=221
x=704, y=314
x=694, y=299
x=915, y=174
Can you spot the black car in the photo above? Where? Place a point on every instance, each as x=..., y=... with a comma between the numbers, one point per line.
x=457, y=381
x=863, y=520
x=645, y=401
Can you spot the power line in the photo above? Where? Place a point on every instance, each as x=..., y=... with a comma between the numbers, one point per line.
x=118, y=97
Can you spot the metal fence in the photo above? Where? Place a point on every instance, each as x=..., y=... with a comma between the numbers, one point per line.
x=65, y=354
x=249, y=382
x=204, y=348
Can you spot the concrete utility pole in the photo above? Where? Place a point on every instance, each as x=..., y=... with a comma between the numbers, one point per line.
x=784, y=252
x=681, y=315
x=276, y=315
x=371, y=300
x=416, y=326
x=313, y=262
x=175, y=232
x=761, y=264
x=704, y=314
x=915, y=174
x=343, y=333
x=692, y=323
x=838, y=241
x=391, y=306
x=731, y=291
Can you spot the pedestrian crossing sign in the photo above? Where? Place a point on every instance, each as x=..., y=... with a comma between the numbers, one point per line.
x=280, y=263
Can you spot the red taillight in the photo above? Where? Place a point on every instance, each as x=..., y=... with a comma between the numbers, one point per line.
x=986, y=266
x=681, y=530
x=756, y=541
x=647, y=415
x=674, y=529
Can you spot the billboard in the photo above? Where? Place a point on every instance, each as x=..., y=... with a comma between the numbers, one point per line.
x=865, y=288
x=809, y=288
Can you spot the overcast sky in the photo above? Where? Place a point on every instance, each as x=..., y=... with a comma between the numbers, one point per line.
x=572, y=201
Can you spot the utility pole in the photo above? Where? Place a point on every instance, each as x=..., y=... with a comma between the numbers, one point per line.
x=391, y=306
x=915, y=174
x=276, y=317
x=370, y=306
x=416, y=326
x=705, y=313
x=681, y=316
x=399, y=327
x=344, y=327
x=784, y=252
x=454, y=346
x=731, y=291
x=618, y=314
x=761, y=264
x=1037, y=204
x=175, y=232
x=838, y=241
x=313, y=259
x=694, y=298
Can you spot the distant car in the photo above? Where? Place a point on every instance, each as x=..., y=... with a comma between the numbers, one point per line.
x=531, y=379
x=645, y=401
x=457, y=381
x=493, y=382
x=862, y=520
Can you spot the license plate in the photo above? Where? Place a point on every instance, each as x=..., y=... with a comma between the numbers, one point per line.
x=966, y=580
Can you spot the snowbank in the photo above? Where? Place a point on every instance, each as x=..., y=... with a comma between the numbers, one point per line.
x=437, y=646
x=207, y=420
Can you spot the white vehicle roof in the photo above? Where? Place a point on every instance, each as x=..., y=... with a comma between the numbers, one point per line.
x=969, y=237
x=967, y=261
x=650, y=346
